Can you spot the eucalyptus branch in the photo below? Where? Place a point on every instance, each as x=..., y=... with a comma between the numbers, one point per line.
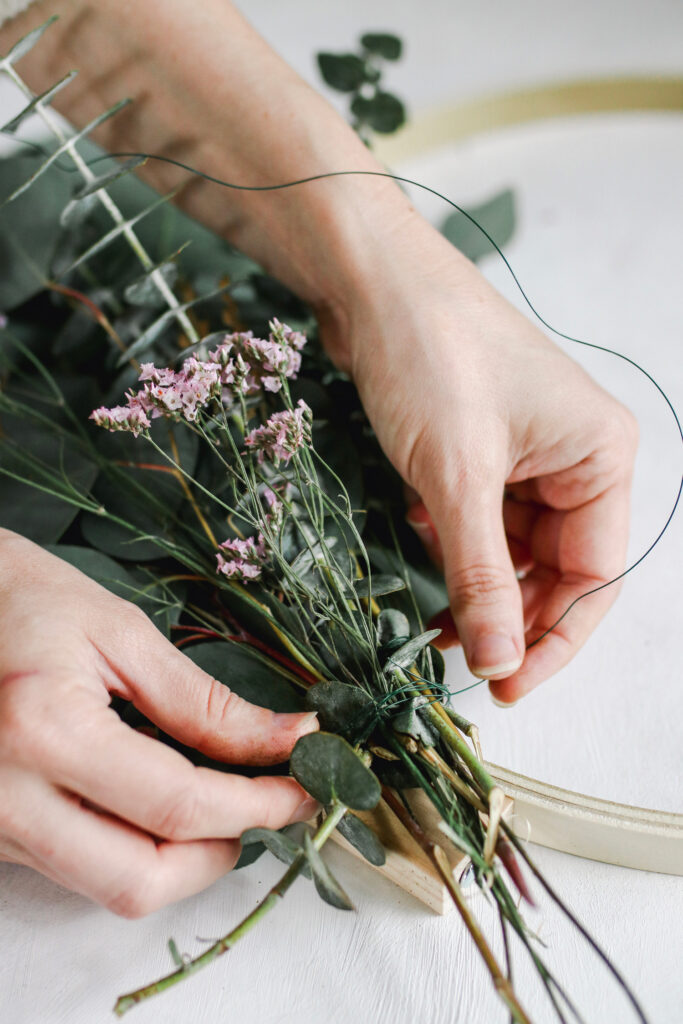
x=273, y=898
x=51, y=122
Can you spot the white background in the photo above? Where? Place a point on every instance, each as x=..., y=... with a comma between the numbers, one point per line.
x=599, y=207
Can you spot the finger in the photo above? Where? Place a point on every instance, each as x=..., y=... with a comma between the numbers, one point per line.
x=145, y=782
x=485, y=596
x=588, y=545
x=186, y=702
x=535, y=589
x=110, y=861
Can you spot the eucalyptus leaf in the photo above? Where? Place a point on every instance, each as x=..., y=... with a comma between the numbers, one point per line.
x=280, y=845
x=342, y=708
x=379, y=586
x=497, y=216
x=342, y=71
x=405, y=655
x=362, y=839
x=249, y=854
x=410, y=721
x=392, y=627
x=27, y=42
x=41, y=517
x=109, y=177
x=330, y=769
x=383, y=112
x=240, y=667
x=384, y=44
x=65, y=147
x=44, y=99
x=29, y=230
x=145, y=291
x=326, y=884
x=117, y=231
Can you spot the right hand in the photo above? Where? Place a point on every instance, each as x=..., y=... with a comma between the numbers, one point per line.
x=93, y=804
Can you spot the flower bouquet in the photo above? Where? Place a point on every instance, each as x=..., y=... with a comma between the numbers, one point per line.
x=238, y=495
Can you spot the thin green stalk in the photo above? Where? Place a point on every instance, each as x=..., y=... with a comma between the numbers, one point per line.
x=274, y=897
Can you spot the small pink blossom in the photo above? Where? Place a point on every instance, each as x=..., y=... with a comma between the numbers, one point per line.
x=282, y=435
x=130, y=417
x=248, y=563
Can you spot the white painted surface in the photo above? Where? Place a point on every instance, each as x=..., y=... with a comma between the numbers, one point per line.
x=597, y=247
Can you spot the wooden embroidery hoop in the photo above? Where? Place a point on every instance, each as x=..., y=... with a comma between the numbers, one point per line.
x=560, y=819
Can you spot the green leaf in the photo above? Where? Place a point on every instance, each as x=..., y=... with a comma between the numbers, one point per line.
x=44, y=98
x=29, y=230
x=280, y=845
x=425, y=581
x=25, y=509
x=409, y=721
x=117, y=232
x=330, y=769
x=362, y=839
x=64, y=147
x=392, y=627
x=109, y=177
x=240, y=667
x=249, y=854
x=326, y=884
x=407, y=653
x=383, y=112
x=342, y=708
x=342, y=71
x=145, y=291
x=27, y=42
x=384, y=44
x=497, y=217
x=381, y=585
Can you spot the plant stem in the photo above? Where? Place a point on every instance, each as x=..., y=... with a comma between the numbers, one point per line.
x=276, y=894
x=440, y=862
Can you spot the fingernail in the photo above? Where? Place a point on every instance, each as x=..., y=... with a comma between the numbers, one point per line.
x=502, y=703
x=308, y=808
x=295, y=720
x=423, y=530
x=494, y=655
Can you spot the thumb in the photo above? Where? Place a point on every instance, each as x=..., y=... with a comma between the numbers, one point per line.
x=192, y=706
x=485, y=597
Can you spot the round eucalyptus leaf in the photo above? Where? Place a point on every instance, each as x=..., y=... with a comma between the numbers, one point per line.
x=330, y=769
x=341, y=708
x=249, y=854
x=392, y=627
x=342, y=71
x=383, y=112
x=327, y=886
x=362, y=839
x=384, y=44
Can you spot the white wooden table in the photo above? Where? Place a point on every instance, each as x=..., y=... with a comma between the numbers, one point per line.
x=598, y=248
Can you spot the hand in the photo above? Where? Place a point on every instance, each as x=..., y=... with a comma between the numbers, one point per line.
x=519, y=459
x=92, y=803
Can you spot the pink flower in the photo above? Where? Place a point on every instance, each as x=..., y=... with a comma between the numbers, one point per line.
x=248, y=563
x=282, y=435
x=249, y=364
x=130, y=417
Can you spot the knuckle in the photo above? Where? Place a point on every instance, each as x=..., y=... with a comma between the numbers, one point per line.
x=479, y=584
x=17, y=715
x=180, y=818
x=133, y=901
